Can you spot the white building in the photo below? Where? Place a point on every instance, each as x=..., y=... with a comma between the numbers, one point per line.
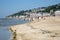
x=46, y=14
x=21, y=16
x=57, y=13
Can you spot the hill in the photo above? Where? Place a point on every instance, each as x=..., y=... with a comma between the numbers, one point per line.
x=37, y=10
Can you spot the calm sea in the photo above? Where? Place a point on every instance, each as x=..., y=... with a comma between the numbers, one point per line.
x=5, y=23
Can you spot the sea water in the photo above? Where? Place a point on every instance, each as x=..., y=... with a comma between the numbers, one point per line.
x=5, y=23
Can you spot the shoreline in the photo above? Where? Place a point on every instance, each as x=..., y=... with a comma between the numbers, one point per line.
x=44, y=29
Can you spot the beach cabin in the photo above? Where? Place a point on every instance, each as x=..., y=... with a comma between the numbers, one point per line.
x=16, y=17
x=57, y=13
x=45, y=14
x=22, y=16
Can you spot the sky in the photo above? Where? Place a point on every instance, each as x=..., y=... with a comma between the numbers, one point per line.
x=8, y=7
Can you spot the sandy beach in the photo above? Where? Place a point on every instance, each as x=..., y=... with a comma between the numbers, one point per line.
x=43, y=29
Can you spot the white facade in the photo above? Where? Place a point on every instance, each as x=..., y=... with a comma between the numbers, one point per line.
x=57, y=13
x=17, y=16
x=38, y=14
x=21, y=16
x=46, y=14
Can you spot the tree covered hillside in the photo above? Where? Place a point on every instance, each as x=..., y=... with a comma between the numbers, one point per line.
x=36, y=10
